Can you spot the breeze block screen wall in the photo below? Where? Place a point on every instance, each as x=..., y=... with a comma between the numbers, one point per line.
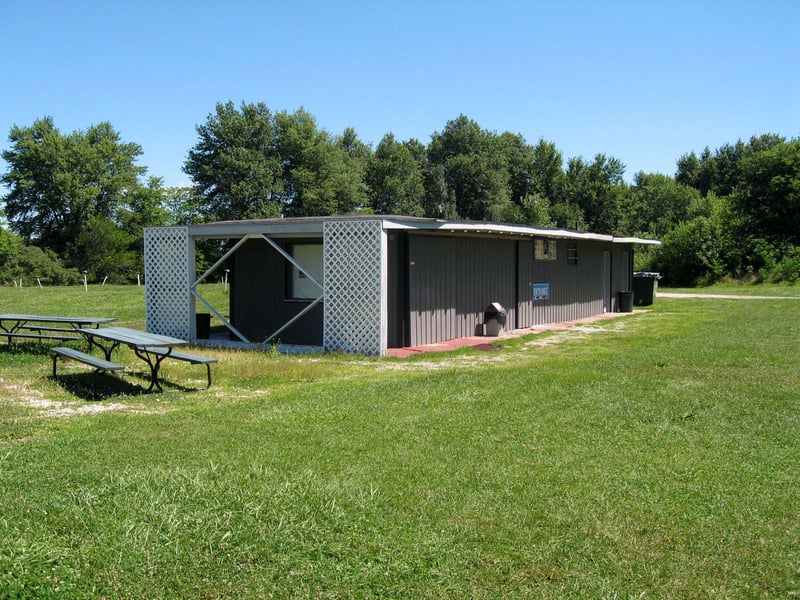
x=168, y=276
x=355, y=306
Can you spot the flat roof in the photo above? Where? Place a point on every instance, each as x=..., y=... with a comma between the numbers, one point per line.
x=313, y=227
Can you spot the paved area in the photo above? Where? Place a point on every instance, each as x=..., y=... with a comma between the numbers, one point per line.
x=485, y=343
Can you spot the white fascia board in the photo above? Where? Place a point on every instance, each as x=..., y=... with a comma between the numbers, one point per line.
x=486, y=227
x=637, y=240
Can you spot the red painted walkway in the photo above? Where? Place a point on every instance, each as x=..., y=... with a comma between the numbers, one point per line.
x=484, y=343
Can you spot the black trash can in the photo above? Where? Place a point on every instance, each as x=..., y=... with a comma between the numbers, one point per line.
x=644, y=287
x=202, y=325
x=494, y=319
x=625, y=302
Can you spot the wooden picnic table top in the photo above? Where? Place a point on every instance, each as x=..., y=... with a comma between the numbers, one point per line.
x=134, y=337
x=56, y=319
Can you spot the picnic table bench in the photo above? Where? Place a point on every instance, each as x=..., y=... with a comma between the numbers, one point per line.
x=99, y=364
x=47, y=327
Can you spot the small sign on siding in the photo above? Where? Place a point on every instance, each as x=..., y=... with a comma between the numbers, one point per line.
x=540, y=291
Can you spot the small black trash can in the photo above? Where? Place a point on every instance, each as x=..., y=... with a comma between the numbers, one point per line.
x=202, y=325
x=625, y=302
x=494, y=319
x=644, y=287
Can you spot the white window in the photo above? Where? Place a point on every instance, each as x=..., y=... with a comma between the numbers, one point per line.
x=301, y=286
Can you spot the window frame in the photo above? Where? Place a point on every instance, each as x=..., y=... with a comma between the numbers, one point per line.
x=572, y=254
x=545, y=249
x=295, y=275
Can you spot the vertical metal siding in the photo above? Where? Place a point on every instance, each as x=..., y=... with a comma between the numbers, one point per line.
x=452, y=280
x=258, y=298
x=576, y=291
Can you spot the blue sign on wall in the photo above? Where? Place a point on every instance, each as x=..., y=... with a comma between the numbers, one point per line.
x=541, y=291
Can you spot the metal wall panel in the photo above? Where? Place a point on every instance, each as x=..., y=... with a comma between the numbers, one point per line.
x=576, y=291
x=259, y=303
x=452, y=280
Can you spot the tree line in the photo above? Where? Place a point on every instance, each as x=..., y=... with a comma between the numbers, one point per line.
x=78, y=202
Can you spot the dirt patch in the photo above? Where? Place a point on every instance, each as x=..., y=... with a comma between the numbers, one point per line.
x=499, y=353
x=240, y=394
x=54, y=408
x=36, y=400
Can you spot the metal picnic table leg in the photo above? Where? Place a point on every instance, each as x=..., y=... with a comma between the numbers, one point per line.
x=13, y=329
x=154, y=362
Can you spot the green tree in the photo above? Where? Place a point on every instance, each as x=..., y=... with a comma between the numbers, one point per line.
x=533, y=209
x=439, y=201
x=721, y=171
x=143, y=207
x=353, y=187
x=692, y=253
x=518, y=161
x=474, y=169
x=395, y=179
x=769, y=195
x=699, y=173
x=184, y=205
x=235, y=164
x=320, y=176
x=599, y=191
x=547, y=176
x=109, y=251
x=29, y=262
x=658, y=204
x=9, y=244
x=59, y=183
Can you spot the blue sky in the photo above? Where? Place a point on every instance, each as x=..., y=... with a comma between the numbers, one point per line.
x=644, y=81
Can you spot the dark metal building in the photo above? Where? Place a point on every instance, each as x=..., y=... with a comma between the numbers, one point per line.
x=365, y=284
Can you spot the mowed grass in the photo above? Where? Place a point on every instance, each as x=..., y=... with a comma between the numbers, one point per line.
x=654, y=456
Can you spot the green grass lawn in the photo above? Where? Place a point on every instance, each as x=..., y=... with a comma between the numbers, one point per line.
x=653, y=456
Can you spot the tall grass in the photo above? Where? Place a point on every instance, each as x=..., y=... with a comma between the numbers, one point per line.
x=654, y=456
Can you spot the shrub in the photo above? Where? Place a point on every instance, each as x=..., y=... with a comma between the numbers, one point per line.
x=30, y=262
x=691, y=254
x=787, y=268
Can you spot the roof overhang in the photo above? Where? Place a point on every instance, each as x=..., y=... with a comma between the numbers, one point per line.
x=271, y=227
x=313, y=227
x=484, y=227
x=637, y=240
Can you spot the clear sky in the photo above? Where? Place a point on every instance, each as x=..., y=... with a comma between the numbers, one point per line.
x=644, y=81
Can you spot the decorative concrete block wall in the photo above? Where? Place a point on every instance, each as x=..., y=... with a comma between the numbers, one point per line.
x=168, y=276
x=355, y=304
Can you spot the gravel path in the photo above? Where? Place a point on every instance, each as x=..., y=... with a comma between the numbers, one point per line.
x=724, y=296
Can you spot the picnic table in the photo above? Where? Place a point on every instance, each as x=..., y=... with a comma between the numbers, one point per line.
x=47, y=327
x=152, y=348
